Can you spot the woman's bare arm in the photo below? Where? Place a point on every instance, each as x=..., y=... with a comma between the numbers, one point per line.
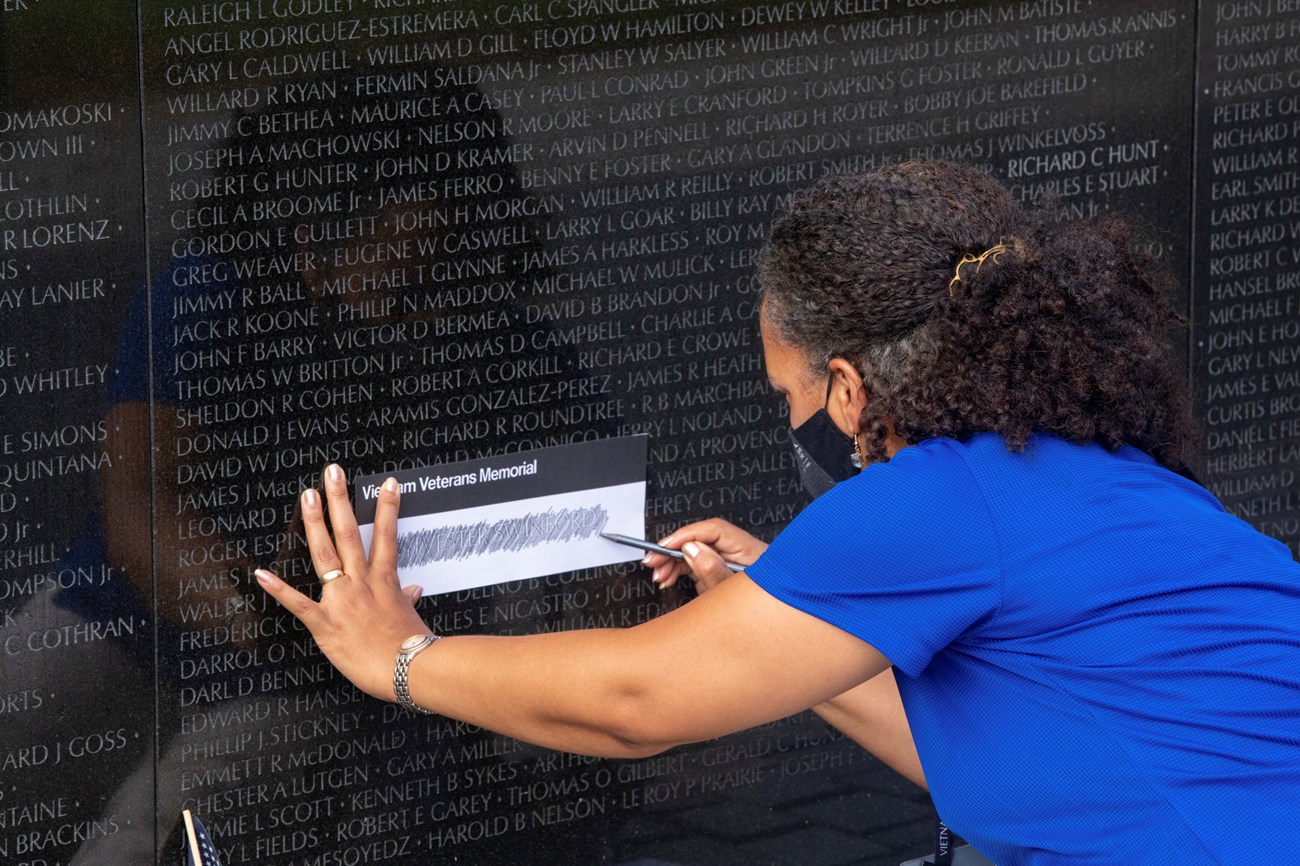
x=731, y=659
x=871, y=713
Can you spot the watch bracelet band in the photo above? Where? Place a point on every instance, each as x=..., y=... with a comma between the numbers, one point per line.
x=401, y=681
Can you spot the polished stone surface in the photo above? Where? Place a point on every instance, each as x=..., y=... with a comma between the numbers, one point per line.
x=241, y=240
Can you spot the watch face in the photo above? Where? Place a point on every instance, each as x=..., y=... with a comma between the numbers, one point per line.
x=413, y=641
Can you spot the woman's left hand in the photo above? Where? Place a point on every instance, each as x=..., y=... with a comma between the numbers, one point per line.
x=363, y=616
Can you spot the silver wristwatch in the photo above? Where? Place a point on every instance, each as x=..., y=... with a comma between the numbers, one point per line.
x=410, y=648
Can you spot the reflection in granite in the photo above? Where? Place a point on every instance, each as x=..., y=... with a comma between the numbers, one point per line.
x=393, y=234
x=76, y=620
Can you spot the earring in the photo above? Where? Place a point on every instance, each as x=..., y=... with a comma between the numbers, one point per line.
x=857, y=458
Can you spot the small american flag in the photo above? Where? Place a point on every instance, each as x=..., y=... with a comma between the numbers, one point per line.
x=199, y=850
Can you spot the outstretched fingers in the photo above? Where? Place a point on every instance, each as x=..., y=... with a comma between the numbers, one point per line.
x=383, y=545
x=362, y=617
x=291, y=599
x=324, y=558
x=347, y=539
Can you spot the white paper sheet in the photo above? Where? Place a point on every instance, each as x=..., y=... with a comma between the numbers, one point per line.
x=505, y=524
x=507, y=541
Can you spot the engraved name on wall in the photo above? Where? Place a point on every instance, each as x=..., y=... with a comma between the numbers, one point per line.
x=1247, y=309
x=392, y=236
x=386, y=234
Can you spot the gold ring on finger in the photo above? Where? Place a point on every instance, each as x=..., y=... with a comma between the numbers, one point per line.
x=331, y=575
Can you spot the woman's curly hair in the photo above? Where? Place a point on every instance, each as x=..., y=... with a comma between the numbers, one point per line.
x=1065, y=332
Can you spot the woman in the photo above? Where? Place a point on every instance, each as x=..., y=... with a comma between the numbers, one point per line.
x=1099, y=665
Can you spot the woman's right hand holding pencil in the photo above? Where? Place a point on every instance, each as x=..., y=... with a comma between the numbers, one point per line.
x=707, y=546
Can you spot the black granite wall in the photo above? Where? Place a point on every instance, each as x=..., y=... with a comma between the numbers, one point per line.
x=241, y=239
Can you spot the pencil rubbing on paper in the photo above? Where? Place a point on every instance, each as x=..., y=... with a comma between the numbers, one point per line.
x=466, y=540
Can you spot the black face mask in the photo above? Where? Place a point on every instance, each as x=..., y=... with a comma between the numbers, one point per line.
x=822, y=454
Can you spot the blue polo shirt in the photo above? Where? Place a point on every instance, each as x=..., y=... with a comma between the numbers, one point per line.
x=1099, y=664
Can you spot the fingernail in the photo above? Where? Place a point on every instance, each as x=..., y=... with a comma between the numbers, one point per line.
x=336, y=472
x=309, y=497
x=264, y=577
x=390, y=485
x=691, y=549
x=645, y=560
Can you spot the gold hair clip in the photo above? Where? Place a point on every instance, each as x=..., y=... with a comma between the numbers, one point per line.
x=977, y=261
